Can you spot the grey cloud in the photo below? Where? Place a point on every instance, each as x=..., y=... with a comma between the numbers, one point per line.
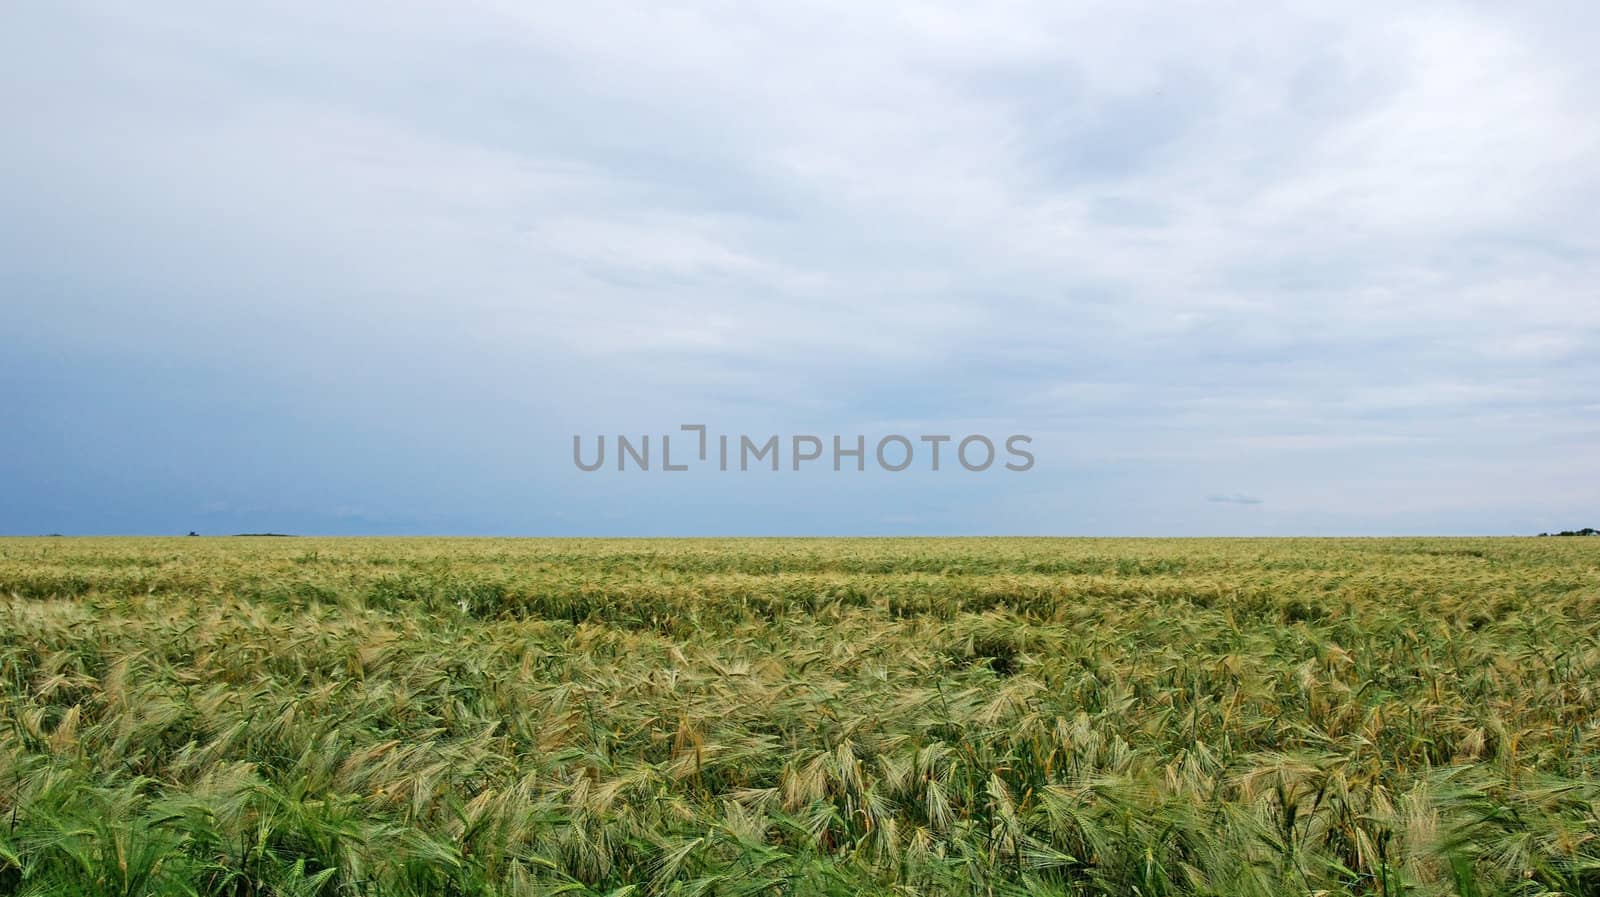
x=1177, y=245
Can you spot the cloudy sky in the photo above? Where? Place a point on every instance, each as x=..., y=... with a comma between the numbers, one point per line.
x=368, y=267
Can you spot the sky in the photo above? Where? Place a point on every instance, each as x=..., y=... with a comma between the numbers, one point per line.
x=368, y=268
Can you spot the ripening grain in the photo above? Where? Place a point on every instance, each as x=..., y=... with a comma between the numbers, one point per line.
x=1028, y=716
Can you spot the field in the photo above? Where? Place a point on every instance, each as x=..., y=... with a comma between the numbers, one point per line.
x=252, y=716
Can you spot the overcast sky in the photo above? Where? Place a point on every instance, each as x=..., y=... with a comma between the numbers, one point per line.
x=367, y=267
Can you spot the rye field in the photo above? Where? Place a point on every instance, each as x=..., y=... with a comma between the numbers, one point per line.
x=296, y=716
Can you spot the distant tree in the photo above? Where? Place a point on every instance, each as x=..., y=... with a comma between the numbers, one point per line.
x=193, y=533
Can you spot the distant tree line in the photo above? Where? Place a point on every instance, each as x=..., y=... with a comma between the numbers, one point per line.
x=1586, y=531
